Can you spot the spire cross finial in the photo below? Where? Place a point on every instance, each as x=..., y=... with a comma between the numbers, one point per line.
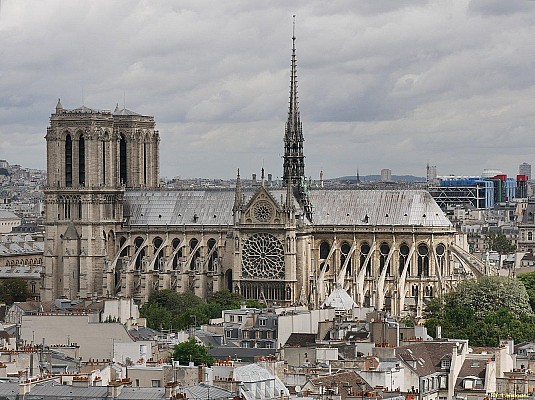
x=293, y=32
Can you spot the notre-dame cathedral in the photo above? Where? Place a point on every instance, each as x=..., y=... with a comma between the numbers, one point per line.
x=112, y=232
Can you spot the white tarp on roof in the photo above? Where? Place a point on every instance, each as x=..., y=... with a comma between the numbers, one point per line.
x=259, y=383
x=339, y=299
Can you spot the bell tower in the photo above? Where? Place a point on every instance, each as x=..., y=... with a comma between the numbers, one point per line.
x=93, y=156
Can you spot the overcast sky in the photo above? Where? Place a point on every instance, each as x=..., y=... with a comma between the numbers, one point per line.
x=382, y=83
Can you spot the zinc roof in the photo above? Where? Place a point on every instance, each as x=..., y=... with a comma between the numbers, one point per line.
x=22, y=271
x=57, y=390
x=134, y=393
x=204, y=391
x=8, y=215
x=9, y=390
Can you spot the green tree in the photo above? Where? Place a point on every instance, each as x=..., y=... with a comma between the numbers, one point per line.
x=167, y=309
x=226, y=300
x=483, y=311
x=528, y=280
x=500, y=244
x=174, y=301
x=190, y=350
x=13, y=289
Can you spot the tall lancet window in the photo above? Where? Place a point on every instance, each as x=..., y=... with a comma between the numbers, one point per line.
x=145, y=163
x=68, y=160
x=122, y=160
x=104, y=162
x=81, y=161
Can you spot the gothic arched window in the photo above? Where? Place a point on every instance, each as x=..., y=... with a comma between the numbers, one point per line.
x=423, y=260
x=441, y=253
x=384, y=249
x=158, y=263
x=213, y=256
x=122, y=160
x=364, y=251
x=344, y=251
x=81, y=161
x=193, y=244
x=404, y=258
x=68, y=160
x=325, y=249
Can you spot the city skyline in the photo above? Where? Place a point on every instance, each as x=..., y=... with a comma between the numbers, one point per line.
x=380, y=85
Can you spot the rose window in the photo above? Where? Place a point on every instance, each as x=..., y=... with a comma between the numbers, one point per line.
x=263, y=211
x=263, y=257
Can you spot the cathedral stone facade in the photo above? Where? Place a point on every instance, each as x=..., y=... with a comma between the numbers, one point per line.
x=110, y=231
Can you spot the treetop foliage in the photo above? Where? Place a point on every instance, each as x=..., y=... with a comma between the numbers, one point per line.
x=483, y=311
x=492, y=293
x=499, y=243
x=12, y=290
x=192, y=351
x=528, y=280
x=167, y=309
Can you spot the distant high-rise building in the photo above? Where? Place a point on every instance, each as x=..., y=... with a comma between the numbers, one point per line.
x=386, y=175
x=431, y=173
x=525, y=169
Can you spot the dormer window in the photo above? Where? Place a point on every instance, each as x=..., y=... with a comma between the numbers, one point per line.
x=445, y=364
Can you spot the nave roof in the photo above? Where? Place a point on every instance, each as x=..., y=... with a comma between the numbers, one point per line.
x=330, y=207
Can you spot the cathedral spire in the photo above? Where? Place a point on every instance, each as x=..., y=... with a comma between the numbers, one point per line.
x=294, y=159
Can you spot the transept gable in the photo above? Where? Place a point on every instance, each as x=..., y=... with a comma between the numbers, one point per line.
x=262, y=208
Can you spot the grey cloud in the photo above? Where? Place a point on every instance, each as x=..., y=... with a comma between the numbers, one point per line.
x=498, y=7
x=381, y=83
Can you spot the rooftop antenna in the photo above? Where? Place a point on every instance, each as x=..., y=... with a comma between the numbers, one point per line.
x=124, y=99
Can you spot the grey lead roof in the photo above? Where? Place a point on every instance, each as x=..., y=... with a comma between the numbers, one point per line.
x=155, y=207
x=125, y=111
x=382, y=207
x=330, y=207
